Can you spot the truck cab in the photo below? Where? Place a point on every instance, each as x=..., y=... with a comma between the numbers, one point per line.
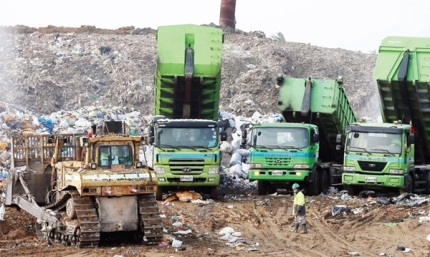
x=186, y=155
x=377, y=154
x=281, y=152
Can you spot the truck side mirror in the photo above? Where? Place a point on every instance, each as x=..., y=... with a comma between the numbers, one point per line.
x=223, y=135
x=244, y=136
x=151, y=131
x=411, y=139
x=339, y=139
x=243, y=141
x=315, y=138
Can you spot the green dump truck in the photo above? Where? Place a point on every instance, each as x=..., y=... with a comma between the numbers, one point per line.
x=395, y=154
x=184, y=132
x=306, y=147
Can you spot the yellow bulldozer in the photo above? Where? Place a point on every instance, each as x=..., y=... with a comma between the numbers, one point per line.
x=81, y=186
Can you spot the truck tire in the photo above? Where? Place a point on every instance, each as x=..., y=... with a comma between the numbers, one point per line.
x=408, y=186
x=213, y=193
x=159, y=194
x=427, y=179
x=271, y=189
x=353, y=190
x=324, y=182
x=262, y=187
x=313, y=188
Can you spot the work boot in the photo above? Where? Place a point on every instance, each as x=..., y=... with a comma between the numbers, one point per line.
x=304, y=229
x=296, y=228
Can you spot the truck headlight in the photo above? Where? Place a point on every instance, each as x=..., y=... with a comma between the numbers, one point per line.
x=349, y=168
x=160, y=170
x=213, y=170
x=256, y=165
x=396, y=171
x=301, y=166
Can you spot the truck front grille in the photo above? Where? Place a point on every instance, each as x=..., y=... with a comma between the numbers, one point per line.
x=372, y=166
x=278, y=161
x=186, y=166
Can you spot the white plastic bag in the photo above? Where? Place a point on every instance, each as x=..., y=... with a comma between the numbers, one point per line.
x=226, y=230
x=176, y=243
x=236, y=158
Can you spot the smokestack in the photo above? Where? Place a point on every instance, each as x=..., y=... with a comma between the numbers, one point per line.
x=227, y=15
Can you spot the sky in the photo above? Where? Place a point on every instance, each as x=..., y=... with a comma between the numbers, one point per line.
x=357, y=25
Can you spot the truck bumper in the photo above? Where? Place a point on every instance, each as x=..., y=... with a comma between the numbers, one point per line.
x=373, y=180
x=183, y=181
x=278, y=175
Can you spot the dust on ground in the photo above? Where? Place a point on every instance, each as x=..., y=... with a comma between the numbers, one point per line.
x=265, y=223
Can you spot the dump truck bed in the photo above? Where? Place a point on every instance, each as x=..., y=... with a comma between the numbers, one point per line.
x=402, y=73
x=193, y=53
x=320, y=102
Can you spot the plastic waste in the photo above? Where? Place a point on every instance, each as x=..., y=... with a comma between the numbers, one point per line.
x=226, y=230
x=2, y=211
x=183, y=232
x=423, y=219
x=383, y=200
x=176, y=243
x=236, y=158
x=338, y=209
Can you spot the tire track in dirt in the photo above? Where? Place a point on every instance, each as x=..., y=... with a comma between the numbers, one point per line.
x=272, y=216
x=329, y=241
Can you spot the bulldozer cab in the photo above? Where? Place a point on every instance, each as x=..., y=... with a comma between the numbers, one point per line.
x=115, y=154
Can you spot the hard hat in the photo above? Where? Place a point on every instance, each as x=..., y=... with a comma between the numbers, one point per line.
x=295, y=185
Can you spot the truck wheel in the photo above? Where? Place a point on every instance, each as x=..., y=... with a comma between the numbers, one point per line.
x=70, y=209
x=427, y=179
x=352, y=190
x=408, y=187
x=213, y=193
x=262, y=187
x=314, y=187
x=159, y=194
x=271, y=189
x=324, y=182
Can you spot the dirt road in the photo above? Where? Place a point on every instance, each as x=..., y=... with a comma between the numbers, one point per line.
x=370, y=229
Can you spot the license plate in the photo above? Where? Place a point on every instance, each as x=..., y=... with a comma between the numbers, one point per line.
x=371, y=179
x=186, y=178
x=277, y=173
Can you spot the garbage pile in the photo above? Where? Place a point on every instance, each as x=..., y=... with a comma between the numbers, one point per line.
x=237, y=171
x=80, y=66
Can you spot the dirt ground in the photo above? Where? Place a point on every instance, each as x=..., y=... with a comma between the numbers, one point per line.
x=370, y=229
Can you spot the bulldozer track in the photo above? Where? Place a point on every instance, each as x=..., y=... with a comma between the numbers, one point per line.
x=88, y=234
x=149, y=217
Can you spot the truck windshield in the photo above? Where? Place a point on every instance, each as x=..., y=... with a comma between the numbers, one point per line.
x=115, y=154
x=281, y=137
x=186, y=137
x=374, y=142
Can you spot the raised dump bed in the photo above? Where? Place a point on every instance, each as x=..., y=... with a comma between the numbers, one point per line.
x=320, y=102
x=188, y=77
x=402, y=73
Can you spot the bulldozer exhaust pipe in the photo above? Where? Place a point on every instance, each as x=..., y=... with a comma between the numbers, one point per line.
x=227, y=14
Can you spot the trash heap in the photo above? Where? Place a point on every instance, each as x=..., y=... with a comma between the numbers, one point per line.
x=237, y=171
x=18, y=121
x=15, y=121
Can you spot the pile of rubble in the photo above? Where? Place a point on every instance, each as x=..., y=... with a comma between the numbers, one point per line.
x=57, y=68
